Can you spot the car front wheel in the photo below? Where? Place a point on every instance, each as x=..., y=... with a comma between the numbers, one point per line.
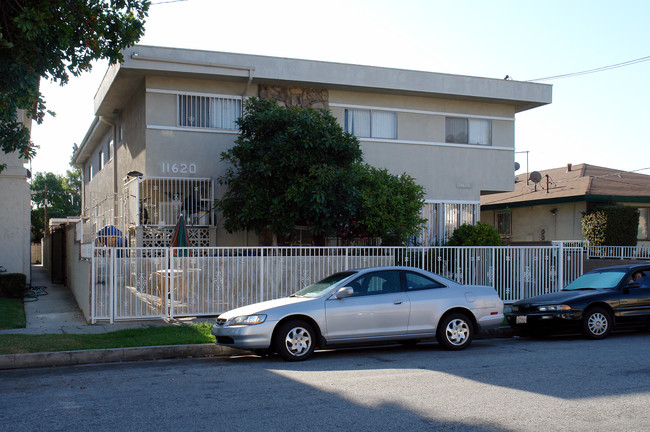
x=596, y=323
x=455, y=332
x=294, y=341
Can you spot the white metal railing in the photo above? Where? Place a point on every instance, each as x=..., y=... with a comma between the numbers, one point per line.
x=159, y=201
x=105, y=211
x=619, y=252
x=572, y=243
x=135, y=283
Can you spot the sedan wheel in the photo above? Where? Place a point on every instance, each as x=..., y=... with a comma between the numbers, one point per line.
x=455, y=332
x=294, y=341
x=596, y=323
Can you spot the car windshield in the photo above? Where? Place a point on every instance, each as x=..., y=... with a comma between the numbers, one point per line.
x=320, y=288
x=596, y=280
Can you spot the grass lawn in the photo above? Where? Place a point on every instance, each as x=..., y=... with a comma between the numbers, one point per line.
x=12, y=313
x=150, y=336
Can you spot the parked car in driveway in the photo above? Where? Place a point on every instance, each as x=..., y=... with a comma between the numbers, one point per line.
x=364, y=306
x=594, y=304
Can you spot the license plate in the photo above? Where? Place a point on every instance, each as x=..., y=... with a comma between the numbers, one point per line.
x=522, y=319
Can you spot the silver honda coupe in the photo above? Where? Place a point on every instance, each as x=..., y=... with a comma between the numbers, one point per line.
x=365, y=306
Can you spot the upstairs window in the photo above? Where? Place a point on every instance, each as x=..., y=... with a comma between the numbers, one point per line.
x=371, y=123
x=101, y=160
x=468, y=131
x=208, y=112
x=111, y=150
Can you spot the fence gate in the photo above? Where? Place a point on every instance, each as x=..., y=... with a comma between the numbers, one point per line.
x=130, y=283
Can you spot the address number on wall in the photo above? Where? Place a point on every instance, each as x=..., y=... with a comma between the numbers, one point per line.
x=178, y=167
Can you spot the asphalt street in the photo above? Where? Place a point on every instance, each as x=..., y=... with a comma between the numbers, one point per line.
x=518, y=384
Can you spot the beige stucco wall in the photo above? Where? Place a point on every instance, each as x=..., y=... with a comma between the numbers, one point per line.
x=15, y=212
x=539, y=224
x=77, y=272
x=130, y=149
x=447, y=171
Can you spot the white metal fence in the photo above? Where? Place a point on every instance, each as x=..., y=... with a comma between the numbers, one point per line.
x=137, y=283
x=619, y=252
x=639, y=252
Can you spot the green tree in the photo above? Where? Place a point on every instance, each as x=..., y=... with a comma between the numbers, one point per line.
x=63, y=199
x=390, y=206
x=52, y=39
x=290, y=166
x=481, y=234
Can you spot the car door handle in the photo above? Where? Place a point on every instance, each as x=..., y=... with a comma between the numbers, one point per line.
x=397, y=302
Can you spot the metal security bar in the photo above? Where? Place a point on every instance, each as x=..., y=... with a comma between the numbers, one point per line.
x=135, y=283
x=159, y=201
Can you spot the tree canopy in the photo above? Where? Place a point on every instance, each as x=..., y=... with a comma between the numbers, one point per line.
x=63, y=198
x=294, y=166
x=52, y=39
x=390, y=206
x=290, y=166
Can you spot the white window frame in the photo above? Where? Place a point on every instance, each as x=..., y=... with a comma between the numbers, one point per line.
x=644, y=223
x=197, y=111
x=443, y=217
x=111, y=149
x=472, y=127
x=503, y=223
x=374, y=124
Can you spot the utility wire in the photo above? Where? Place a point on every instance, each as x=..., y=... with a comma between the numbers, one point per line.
x=590, y=71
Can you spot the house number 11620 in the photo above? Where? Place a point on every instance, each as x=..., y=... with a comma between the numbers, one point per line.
x=178, y=168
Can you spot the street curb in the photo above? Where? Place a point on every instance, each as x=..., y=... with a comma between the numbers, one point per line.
x=113, y=355
x=79, y=357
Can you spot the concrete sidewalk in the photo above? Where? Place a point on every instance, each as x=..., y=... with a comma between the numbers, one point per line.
x=55, y=311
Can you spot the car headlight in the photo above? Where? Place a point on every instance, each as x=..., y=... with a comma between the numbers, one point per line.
x=553, y=308
x=246, y=320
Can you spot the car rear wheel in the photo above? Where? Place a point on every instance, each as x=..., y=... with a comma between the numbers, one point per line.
x=455, y=332
x=596, y=323
x=294, y=341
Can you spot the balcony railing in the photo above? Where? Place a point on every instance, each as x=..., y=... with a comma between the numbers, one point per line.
x=159, y=201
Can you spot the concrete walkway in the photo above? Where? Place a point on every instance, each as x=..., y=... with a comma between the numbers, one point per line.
x=57, y=312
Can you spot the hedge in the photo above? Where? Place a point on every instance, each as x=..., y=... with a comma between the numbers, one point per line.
x=13, y=285
x=611, y=226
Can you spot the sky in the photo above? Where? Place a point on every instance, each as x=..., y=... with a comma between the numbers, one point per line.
x=597, y=118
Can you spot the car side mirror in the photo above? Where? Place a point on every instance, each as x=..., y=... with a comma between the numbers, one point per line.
x=344, y=292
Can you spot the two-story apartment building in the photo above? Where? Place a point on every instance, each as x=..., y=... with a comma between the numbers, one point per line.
x=165, y=115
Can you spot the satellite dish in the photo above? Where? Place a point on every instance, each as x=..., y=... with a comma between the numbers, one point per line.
x=517, y=166
x=535, y=177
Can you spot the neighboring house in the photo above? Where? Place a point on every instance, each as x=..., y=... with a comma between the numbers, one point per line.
x=552, y=208
x=15, y=212
x=165, y=115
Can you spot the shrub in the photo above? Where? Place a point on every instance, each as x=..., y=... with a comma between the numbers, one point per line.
x=13, y=285
x=611, y=226
x=481, y=234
